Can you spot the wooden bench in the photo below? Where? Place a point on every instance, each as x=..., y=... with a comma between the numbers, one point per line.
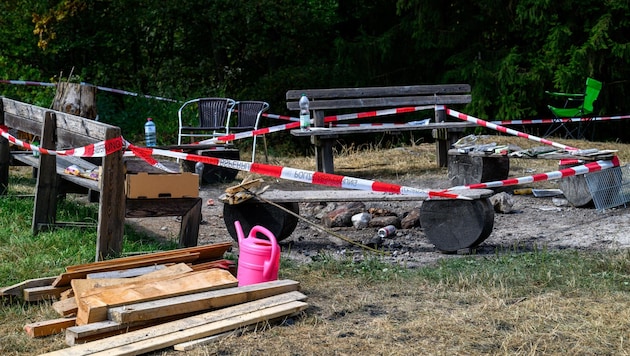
x=326, y=100
x=59, y=130
x=451, y=225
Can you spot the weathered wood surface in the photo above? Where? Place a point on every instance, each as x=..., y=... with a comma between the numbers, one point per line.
x=335, y=98
x=93, y=305
x=379, y=97
x=48, y=327
x=452, y=225
x=346, y=195
x=196, y=302
x=76, y=99
x=198, y=326
x=464, y=169
x=17, y=290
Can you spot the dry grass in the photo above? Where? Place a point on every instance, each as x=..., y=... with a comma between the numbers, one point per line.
x=522, y=307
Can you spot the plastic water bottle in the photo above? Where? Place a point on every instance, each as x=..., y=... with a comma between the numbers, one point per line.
x=305, y=115
x=150, y=135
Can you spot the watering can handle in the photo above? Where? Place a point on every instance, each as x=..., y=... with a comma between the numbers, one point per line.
x=275, y=249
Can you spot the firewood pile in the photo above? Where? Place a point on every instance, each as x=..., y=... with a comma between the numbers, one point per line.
x=138, y=304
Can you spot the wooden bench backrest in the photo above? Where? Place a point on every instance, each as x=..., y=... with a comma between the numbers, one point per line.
x=72, y=131
x=371, y=97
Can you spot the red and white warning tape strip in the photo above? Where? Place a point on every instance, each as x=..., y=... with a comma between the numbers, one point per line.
x=506, y=130
x=299, y=175
x=99, y=149
x=557, y=120
x=327, y=119
x=563, y=173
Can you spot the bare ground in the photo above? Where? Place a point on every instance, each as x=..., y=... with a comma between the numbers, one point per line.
x=534, y=223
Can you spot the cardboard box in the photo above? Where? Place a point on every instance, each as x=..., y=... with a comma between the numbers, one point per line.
x=146, y=185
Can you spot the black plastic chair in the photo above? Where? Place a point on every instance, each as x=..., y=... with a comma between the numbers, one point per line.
x=212, y=116
x=248, y=113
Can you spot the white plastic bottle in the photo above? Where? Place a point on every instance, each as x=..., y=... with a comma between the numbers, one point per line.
x=150, y=134
x=305, y=115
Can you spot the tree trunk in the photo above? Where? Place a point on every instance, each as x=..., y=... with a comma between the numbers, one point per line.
x=76, y=99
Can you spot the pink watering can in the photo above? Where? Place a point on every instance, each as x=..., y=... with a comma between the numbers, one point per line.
x=258, y=259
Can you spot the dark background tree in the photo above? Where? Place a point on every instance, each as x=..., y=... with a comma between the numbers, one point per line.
x=509, y=51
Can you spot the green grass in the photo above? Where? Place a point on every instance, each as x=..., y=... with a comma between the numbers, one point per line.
x=24, y=255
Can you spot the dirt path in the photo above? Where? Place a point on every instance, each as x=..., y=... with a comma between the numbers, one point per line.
x=534, y=223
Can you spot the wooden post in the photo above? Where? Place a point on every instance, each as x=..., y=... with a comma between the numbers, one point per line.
x=45, y=207
x=5, y=156
x=76, y=99
x=441, y=138
x=111, y=210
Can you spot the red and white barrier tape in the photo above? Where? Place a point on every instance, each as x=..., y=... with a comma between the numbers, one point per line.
x=563, y=173
x=506, y=130
x=99, y=149
x=117, y=91
x=557, y=120
x=299, y=175
x=327, y=119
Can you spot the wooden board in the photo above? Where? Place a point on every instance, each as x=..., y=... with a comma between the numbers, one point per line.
x=345, y=195
x=189, y=303
x=206, y=252
x=17, y=290
x=48, y=327
x=93, y=305
x=211, y=323
x=36, y=294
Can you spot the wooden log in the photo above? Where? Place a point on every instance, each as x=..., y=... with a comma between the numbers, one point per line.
x=93, y=306
x=48, y=327
x=464, y=169
x=198, y=326
x=76, y=99
x=453, y=225
x=280, y=223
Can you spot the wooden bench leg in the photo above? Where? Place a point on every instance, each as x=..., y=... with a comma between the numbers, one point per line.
x=189, y=231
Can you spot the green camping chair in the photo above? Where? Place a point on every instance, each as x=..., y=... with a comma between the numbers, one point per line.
x=585, y=107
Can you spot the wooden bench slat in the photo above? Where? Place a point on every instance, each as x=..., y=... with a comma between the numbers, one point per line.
x=379, y=91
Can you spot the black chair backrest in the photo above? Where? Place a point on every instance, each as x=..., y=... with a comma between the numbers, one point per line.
x=213, y=112
x=248, y=113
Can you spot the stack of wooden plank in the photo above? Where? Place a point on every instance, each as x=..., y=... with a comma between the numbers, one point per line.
x=144, y=303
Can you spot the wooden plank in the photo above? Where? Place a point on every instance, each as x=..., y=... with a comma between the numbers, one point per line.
x=45, y=206
x=351, y=130
x=379, y=91
x=383, y=102
x=48, y=327
x=189, y=345
x=66, y=307
x=64, y=279
x=346, y=195
x=17, y=290
x=199, y=301
x=36, y=294
x=126, y=273
x=93, y=306
x=206, y=253
x=229, y=318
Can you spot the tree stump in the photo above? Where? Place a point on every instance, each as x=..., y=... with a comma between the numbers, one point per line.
x=76, y=99
x=452, y=225
x=471, y=168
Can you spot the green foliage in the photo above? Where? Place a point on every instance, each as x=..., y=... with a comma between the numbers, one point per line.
x=509, y=52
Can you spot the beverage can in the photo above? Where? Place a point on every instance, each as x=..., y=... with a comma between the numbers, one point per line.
x=387, y=231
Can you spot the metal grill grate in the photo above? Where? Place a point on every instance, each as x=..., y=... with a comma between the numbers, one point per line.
x=609, y=188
